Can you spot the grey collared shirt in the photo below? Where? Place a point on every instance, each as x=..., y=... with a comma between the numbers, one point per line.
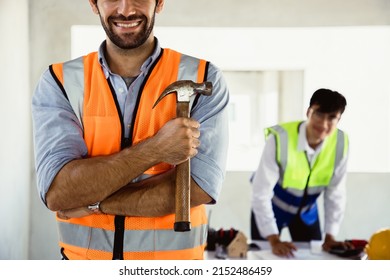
x=58, y=136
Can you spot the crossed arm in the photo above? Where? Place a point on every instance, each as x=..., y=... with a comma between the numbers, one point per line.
x=85, y=181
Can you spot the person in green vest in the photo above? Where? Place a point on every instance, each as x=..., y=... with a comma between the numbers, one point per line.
x=301, y=160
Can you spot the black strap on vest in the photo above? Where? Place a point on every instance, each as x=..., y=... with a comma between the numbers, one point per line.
x=64, y=257
x=206, y=71
x=117, y=253
x=60, y=85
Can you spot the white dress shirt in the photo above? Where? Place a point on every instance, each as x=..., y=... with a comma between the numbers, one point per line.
x=267, y=175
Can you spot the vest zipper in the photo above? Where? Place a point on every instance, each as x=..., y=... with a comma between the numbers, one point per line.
x=117, y=252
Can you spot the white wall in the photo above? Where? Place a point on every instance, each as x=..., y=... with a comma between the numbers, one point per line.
x=15, y=148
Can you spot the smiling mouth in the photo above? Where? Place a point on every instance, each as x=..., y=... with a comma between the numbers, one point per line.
x=128, y=24
x=320, y=130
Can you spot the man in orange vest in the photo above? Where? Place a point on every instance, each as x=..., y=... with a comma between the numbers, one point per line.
x=105, y=159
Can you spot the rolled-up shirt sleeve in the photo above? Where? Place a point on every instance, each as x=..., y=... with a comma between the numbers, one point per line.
x=57, y=133
x=335, y=199
x=208, y=167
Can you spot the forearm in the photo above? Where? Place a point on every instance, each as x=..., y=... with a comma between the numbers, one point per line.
x=85, y=181
x=146, y=198
x=150, y=198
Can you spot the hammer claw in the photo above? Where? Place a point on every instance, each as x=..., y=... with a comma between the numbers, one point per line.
x=185, y=89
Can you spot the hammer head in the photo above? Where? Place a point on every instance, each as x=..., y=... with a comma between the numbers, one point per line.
x=184, y=89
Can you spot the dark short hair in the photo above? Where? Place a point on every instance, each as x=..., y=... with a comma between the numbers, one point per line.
x=328, y=101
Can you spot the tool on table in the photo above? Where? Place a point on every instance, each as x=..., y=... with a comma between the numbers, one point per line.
x=354, y=252
x=184, y=89
x=230, y=243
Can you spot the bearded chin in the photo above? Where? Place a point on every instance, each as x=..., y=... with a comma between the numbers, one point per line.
x=130, y=40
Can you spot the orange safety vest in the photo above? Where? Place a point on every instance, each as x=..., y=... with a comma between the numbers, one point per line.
x=99, y=236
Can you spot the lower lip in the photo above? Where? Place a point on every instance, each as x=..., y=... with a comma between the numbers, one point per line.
x=319, y=131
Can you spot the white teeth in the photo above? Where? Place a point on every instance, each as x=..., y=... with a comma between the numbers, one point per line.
x=127, y=25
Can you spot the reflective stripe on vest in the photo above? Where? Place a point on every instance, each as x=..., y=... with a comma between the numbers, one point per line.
x=144, y=238
x=92, y=237
x=295, y=171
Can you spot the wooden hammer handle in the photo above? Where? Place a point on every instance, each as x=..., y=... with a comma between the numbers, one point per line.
x=183, y=183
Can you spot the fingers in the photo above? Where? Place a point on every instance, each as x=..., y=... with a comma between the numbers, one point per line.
x=349, y=245
x=327, y=246
x=189, y=135
x=190, y=122
x=178, y=140
x=191, y=141
x=62, y=215
x=193, y=131
x=73, y=213
x=284, y=249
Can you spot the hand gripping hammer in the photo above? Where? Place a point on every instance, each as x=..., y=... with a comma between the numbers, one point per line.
x=184, y=89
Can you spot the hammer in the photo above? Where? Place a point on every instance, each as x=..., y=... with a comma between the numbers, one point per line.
x=184, y=89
